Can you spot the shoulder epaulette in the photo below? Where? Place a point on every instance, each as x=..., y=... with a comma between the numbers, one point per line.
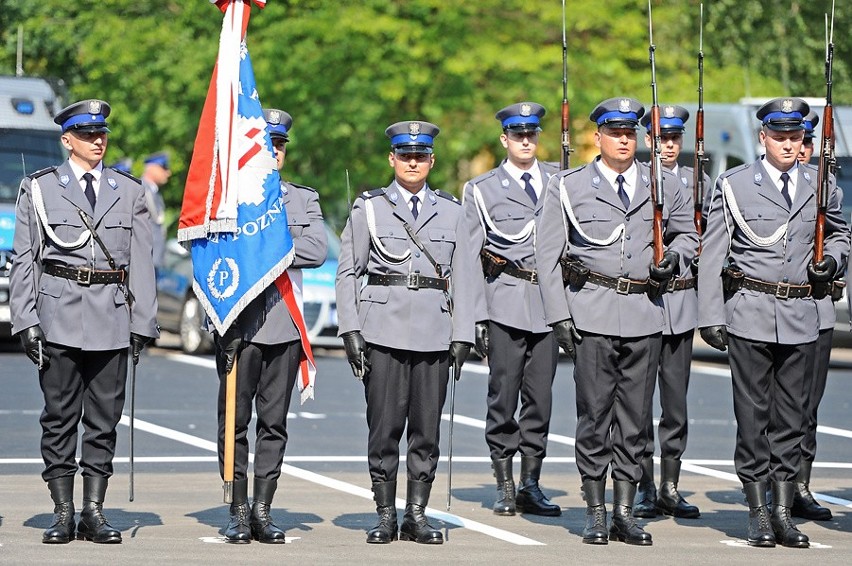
x=573, y=170
x=486, y=175
x=126, y=174
x=550, y=167
x=372, y=194
x=737, y=169
x=298, y=186
x=446, y=195
x=42, y=172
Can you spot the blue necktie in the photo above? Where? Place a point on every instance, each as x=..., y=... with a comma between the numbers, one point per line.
x=414, y=202
x=89, y=191
x=785, y=192
x=528, y=188
x=622, y=194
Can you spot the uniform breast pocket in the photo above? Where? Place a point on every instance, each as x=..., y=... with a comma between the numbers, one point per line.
x=806, y=231
x=510, y=222
x=297, y=223
x=762, y=220
x=595, y=221
x=116, y=232
x=393, y=239
x=65, y=224
x=442, y=243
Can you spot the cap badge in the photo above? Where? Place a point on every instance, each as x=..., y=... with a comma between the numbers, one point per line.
x=414, y=129
x=787, y=106
x=669, y=111
x=275, y=117
x=526, y=110
x=94, y=107
x=112, y=182
x=624, y=105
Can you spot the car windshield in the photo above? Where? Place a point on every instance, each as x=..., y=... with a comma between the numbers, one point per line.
x=23, y=152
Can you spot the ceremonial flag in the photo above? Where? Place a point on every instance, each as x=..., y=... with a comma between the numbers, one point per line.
x=232, y=212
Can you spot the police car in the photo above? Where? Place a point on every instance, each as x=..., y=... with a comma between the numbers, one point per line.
x=180, y=312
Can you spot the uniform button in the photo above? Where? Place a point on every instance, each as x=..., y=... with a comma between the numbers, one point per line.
x=629, y=255
x=627, y=237
x=789, y=259
x=416, y=254
x=627, y=218
x=594, y=215
x=626, y=274
x=785, y=280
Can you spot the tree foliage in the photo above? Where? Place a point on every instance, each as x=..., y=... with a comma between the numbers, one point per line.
x=346, y=69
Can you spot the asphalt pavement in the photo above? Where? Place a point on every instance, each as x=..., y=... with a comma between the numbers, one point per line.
x=324, y=502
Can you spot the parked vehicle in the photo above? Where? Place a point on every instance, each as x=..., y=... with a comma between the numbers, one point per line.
x=29, y=141
x=180, y=312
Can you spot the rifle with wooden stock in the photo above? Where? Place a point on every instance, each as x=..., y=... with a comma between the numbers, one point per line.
x=564, y=162
x=656, y=150
x=827, y=159
x=700, y=158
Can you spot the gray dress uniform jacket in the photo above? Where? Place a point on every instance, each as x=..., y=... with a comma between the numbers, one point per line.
x=94, y=317
x=599, y=211
x=266, y=320
x=395, y=316
x=506, y=300
x=681, y=307
x=751, y=314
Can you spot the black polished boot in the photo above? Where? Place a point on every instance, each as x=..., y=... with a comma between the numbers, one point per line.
x=505, y=504
x=530, y=499
x=595, y=530
x=645, y=505
x=62, y=529
x=93, y=525
x=804, y=504
x=785, y=531
x=624, y=527
x=669, y=500
x=238, y=530
x=384, y=493
x=414, y=526
x=262, y=528
x=759, y=529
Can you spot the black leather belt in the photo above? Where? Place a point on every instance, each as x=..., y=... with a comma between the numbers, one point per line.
x=681, y=284
x=779, y=290
x=85, y=276
x=518, y=273
x=412, y=281
x=622, y=285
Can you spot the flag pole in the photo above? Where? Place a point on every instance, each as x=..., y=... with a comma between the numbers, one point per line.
x=230, y=431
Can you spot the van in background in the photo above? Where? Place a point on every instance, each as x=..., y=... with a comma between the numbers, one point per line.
x=29, y=141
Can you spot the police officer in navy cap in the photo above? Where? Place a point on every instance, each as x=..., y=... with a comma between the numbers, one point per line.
x=409, y=244
x=503, y=208
x=804, y=503
x=601, y=291
x=681, y=317
x=760, y=230
x=156, y=174
x=79, y=299
x=270, y=350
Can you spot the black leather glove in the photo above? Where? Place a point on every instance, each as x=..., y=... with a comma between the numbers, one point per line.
x=137, y=344
x=356, y=353
x=666, y=269
x=34, y=342
x=231, y=342
x=458, y=354
x=567, y=336
x=481, y=337
x=716, y=336
x=822, y=271
x=693, y=266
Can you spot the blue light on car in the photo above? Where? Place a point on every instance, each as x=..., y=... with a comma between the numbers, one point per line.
x=23, y=105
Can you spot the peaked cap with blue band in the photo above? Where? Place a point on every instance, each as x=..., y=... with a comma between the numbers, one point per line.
x=84, y=116
x=160, y=158
x=784, y=114
x=412, y=137
x=811, y=121
x=618, y=113
x=123, y=164
x=521, y=117
x=672, y=119
x=278, y=123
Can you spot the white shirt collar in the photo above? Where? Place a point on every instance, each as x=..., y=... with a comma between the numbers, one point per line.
x=775, y=175
x=406, y=194
x=79, y=172
x=611, y=176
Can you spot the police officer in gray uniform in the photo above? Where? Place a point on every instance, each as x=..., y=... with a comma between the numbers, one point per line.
x=270, y=350
x=503, y=208
x=602, y=295
x=409, y=321
x=155, y=175
x=681, y=317
x=82, y=291
x=804, y=503
x=760, y=229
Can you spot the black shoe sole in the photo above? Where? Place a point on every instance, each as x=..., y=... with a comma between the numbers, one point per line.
x=539, y=512
x=412, y=538
x=114, y=540
x=238, y=541
x=761, y=543
x=625, y=540
x=502, y=513
x=673, y=513
x=57, y=540
x=596, y=540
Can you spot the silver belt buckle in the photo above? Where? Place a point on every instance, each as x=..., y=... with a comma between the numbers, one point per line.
x=534, y=277
x=622, y=287
x=413, y=281
x=84, y=281
x=785, y=294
